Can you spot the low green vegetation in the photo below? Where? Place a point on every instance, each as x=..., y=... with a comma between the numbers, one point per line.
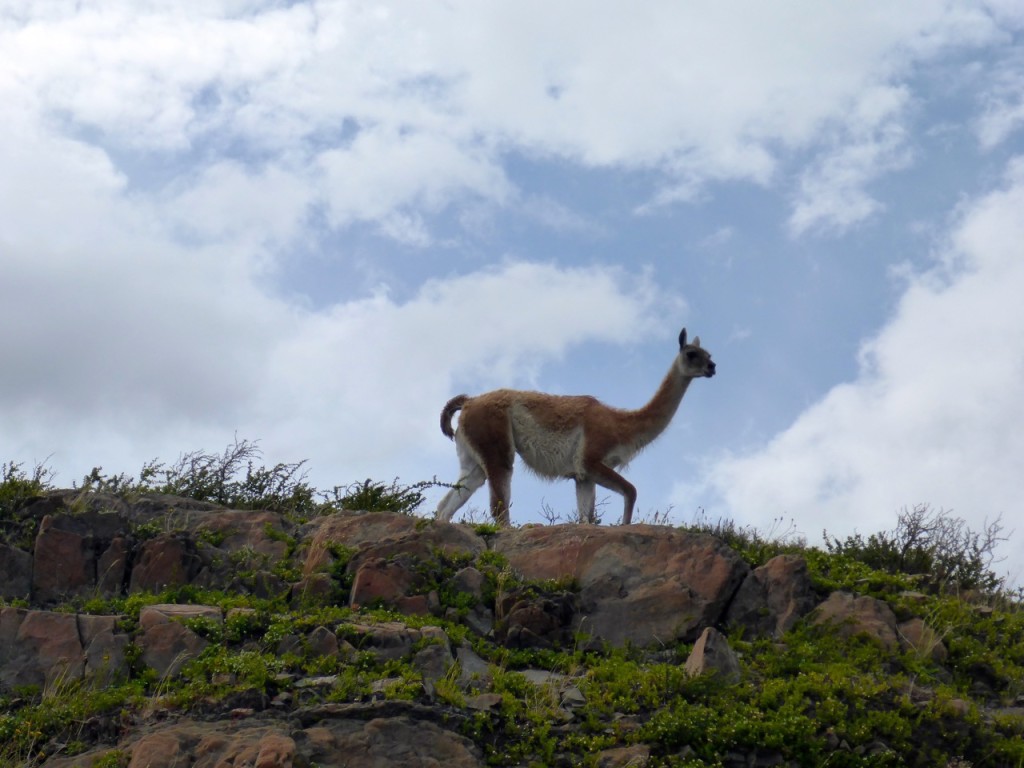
x=233, y=478
x=812, y=697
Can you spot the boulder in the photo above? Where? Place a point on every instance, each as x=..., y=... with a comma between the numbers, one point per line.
x=67, y=547
x=104, y=648
x=863, y=615
x=377, y=580
x=383, y=534
x=313, y=589
x=469, y=581
x=474, y=672
x=263, y=533
x=322, y=642
x=15, y=573
x=163, y=749
x=773, y=597
x=711, y=655
x=396, y=742
x=639, y=584
x=39, y=648
x=433, y=663
x=165, y=641
x=169, y=560
x=529, y=621
x=64, y=562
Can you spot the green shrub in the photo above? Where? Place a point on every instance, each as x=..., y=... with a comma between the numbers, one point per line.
x=376, y=496
x=16, y=489
x=935, y=545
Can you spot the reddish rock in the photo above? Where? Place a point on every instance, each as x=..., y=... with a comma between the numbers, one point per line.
x=418, y=605
x=165, y=641
x=377, y=580
x=104, y=648
x=773, y=597
x=854, y=615
x=259, y=747
x=168, y=560
x=53, y=640
x=385, y=534
x=641, y=584
x=68, y=545
x=163, y=749
x=275, y=750
x=263, y=533
x=39, y=648
x=63, y=562
x=396, y=742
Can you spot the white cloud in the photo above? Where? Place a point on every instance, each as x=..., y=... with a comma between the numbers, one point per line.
x=384, y=170
x=379, y=108
x=717, y=239
x=104, y=310
x=1003, y=112
x=832, y=192
x=362, y=384
x=935, y=414
x=232, y=202
x=130, y=344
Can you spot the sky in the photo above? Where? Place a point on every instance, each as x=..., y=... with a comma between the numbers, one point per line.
x=309, y=224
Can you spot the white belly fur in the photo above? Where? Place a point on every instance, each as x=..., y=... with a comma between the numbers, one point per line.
x=549, y=454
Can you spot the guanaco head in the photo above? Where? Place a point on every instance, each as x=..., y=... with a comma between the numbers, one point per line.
x=694, y=360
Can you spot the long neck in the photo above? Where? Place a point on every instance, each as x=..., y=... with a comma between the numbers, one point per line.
x=650, y=421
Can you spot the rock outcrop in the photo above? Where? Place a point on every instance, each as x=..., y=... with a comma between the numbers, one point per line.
x=393, y=741
x=591, y=587
x=638, y=584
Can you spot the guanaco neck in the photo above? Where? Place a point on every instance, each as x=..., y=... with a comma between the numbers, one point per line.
x=646, y=423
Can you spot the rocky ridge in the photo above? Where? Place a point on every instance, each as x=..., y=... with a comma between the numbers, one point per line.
x=646, y=589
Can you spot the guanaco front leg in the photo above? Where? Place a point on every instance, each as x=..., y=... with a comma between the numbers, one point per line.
x=608, y=478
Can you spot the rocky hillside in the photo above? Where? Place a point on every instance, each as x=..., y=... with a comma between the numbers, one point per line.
x=154, y=631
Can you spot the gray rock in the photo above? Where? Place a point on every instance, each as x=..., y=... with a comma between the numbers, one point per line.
x=474, y=672
x=15, y=573
x=712, y=655
x=773, y=597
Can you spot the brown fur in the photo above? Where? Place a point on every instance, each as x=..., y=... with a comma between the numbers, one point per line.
x=570, y=436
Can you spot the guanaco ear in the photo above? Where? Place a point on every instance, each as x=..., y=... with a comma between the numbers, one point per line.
x=682, y=338
x=696, y=341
